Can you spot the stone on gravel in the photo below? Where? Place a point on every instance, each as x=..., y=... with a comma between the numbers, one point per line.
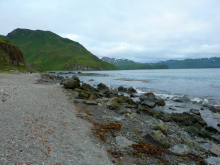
x=90, y=102
x=180, y=149
x=213, y=160
x=116, y=106
x=196, y=146
x=158, y=138
x=212, y=147
x=113, y=101
x=123, y=142
x=84, y=95
x=157, y=124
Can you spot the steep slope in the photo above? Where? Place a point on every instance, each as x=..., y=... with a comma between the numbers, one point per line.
x=3, y=37
x=49, y=51
x=126, y=64
x=193, y=63
x=10, y=56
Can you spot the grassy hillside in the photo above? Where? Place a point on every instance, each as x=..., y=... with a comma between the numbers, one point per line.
x=49, y=51
x=10, y=56
x=126, y=64
x=193, y=63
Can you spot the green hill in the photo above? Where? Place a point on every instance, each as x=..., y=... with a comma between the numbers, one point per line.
x=10, y=56
x=193, y=63
x=49, y=51
x=126, y=64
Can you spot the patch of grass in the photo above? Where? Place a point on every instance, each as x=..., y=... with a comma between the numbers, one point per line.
x=205, y=134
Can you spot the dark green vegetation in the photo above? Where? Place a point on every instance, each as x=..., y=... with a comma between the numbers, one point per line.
x=126, y=64
x=11, y=57
x=48, y=51
x=193, y=63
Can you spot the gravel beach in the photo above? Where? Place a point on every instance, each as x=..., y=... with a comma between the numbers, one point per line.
x=38, y=125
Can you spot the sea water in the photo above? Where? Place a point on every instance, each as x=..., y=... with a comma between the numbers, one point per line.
x=196, y=84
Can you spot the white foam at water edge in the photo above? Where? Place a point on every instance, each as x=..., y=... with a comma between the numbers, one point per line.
x=139, y=91
x=217, y=106
x=169, y=97
x=198, y=100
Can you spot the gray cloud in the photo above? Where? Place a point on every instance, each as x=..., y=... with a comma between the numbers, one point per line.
x=143, y=30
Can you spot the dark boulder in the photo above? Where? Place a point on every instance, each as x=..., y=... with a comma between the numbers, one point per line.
x=211, y=129
x=122, y=89
x=143, y=97
x=115, y=106
x=102, y=87
x=132, y=90
x=151, y=102
x=75, y=78
x=150, y=94
x=70, y=83
x=189, y=119
x=111, y=93
x=158, y=138
x=148, y=111
x=84, y=95
x=160, y=102
x=86, y=87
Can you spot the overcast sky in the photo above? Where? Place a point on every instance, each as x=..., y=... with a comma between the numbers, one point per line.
x=140, y=30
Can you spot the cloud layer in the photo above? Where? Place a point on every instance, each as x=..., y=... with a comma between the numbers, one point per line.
x=143, y=30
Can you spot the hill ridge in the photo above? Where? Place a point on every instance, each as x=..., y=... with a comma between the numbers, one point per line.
x=50, y=51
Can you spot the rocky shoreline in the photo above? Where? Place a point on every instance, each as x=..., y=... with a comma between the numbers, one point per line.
x=134, y=132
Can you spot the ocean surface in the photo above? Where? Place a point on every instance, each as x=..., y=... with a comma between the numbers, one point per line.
x=199, y=86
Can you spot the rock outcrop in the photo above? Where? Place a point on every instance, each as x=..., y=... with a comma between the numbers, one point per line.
x=10, y=55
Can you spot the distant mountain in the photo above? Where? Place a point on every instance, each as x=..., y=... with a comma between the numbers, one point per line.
x=126, y=64
x=193, y=63
x=10, y=56
x=48, y=51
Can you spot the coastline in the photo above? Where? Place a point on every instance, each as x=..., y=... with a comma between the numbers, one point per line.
x=114, y=130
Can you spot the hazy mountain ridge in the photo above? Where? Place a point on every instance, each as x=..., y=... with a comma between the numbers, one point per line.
x=49, y=51
x=213, y=62
x=126, y=64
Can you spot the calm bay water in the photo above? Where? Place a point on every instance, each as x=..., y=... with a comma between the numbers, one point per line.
x=193, y=83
